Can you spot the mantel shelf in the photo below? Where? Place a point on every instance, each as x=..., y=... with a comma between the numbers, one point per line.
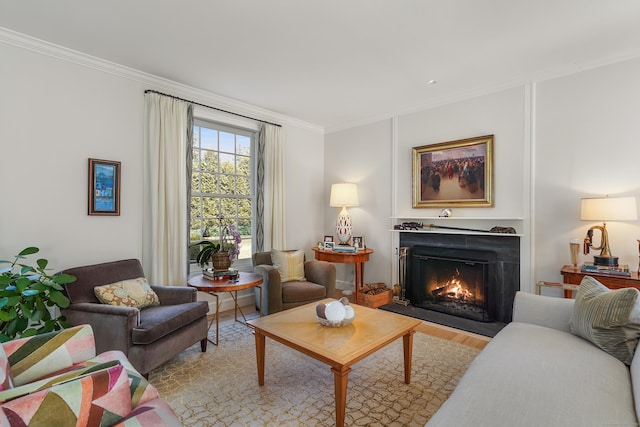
x=464, y=232
x=456, y=218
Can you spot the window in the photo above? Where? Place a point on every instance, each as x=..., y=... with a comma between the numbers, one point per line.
x=221, y=184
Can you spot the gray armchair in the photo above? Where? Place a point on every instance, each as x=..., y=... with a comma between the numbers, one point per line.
x=149, y=336
x=277, y=295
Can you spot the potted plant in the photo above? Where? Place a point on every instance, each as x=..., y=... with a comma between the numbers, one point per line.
x=28, y=295
x=221, y=252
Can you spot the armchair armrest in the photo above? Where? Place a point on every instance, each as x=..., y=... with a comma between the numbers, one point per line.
x=112, y=325
x=172, y=295
x=543, y=310
x=271, y=286
x=323, y=273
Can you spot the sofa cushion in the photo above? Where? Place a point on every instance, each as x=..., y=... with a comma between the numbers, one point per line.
x=290, y=264
x=99, y=399
x=296, y=291
x=159, y=321
x=533, y=376
x=129, y=293
x=61, y=378
x=5, y=371
x=34, y=357
x=609, y=319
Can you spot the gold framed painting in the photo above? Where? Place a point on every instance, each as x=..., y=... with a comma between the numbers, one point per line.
x=454, y=173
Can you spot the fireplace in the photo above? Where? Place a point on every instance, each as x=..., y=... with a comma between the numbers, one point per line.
x=452, y=285
x=468, y=276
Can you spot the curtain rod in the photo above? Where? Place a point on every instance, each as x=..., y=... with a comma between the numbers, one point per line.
x=213, y=108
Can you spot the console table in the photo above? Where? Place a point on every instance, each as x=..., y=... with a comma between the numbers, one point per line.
x=357, y=258
x=573, y=275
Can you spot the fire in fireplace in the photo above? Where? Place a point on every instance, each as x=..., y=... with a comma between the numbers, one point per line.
x=453, y=286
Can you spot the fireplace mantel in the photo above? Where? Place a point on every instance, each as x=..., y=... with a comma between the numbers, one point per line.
x=479, y=223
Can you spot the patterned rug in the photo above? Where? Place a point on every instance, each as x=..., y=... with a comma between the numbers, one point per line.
x=220, y=387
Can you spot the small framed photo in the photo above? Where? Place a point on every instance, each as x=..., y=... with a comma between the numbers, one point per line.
x=328, y=239
x=357, y=242
x=328, y=246
x=104, y=187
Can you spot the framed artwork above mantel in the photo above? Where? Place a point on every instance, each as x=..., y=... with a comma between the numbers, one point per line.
x=454, y=173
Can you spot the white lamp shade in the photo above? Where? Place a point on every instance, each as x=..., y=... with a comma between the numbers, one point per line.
x=344, y=194
x=609, y=209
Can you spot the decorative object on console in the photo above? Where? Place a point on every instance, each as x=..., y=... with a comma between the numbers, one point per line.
x=104, y=187
x=605, y=209
x=344, y=195
x=358, y=242
x=574, y=246
x=454, y=173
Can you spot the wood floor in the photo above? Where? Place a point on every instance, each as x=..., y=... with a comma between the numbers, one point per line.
x=444, y=332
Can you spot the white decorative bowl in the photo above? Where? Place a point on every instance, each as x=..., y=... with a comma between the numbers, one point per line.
x=335, y=323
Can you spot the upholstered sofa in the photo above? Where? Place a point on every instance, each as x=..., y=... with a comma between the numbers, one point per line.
x=56, y=379
x=540, y=370
x=148, y=335
x=288, y=280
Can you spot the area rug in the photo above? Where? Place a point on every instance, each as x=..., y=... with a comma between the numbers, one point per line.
x=220, y=387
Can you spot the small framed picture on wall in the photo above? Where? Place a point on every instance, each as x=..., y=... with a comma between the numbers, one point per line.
x=328, y=239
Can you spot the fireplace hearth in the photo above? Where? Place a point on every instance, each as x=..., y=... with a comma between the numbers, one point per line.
x=473, y=277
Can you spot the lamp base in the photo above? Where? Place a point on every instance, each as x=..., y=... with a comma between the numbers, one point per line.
x=608, y=261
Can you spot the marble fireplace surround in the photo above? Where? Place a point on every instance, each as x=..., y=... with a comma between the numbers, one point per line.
x=504, y=273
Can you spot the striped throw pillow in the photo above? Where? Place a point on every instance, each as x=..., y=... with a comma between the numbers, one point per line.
x=290, y=264
x=609, y=319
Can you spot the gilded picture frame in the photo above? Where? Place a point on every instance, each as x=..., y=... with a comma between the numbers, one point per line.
x=454, y=173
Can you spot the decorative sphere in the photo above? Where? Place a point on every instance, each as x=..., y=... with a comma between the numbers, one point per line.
x=348, y=312
x=334, y=311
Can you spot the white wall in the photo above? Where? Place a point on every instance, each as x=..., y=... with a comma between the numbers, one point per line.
x=362, y=155
x=58, y=109
x=587, y=145
x=555, y=142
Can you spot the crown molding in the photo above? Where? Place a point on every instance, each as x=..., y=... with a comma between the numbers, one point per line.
x=43, y=47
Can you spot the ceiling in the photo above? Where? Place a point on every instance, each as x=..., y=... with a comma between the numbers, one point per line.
x=336, y=63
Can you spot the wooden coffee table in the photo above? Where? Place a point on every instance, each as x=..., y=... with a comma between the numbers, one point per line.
x=216, y=286
x=337, y=347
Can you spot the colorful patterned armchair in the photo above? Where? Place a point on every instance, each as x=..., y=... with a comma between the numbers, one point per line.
x=57, y=379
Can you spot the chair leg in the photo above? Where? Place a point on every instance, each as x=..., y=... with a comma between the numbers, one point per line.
x=203, y=345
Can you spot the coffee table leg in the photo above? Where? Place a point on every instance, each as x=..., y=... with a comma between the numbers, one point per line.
x=260, y=347
x=407, y=341
x=340, y=378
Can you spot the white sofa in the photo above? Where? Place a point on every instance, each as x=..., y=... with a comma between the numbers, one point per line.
x=536, y=373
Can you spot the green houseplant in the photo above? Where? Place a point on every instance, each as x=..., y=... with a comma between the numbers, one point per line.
x=28, y=295
x=228, y=244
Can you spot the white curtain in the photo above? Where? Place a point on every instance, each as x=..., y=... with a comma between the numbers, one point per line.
x=165, y=221
x=274, y=200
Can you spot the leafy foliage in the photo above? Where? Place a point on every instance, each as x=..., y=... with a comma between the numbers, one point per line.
x=27, y=293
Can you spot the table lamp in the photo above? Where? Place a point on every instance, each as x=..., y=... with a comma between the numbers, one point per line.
x=606, y=209
x=344, y=195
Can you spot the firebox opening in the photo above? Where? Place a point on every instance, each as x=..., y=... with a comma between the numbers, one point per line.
x=454, y=286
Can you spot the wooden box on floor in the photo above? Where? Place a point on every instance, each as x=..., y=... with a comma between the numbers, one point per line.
x=375, y=300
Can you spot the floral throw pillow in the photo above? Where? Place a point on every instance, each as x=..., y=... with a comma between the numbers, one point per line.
x=130, y=293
